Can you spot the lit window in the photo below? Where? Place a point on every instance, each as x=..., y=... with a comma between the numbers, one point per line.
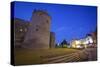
x=21, y=30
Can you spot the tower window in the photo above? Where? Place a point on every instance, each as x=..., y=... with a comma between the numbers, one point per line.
x=37, y=29
x=47, y=21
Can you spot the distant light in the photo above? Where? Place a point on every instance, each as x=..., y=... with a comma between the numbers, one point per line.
x=91, y=40
x=78, y=46
x=86, y=42
x=77, y=42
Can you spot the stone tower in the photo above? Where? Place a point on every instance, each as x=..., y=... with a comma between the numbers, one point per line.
x=52, y=40
x=38, y=35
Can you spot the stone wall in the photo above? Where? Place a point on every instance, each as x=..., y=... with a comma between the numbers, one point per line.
x=20, y=29
x=52, y=40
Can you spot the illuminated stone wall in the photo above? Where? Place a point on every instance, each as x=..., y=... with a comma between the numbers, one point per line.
x=20, y=29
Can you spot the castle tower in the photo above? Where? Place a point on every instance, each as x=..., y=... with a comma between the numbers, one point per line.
x=52, y=40
x=38, y=35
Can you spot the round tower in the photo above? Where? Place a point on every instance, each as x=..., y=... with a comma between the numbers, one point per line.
x=38, y=34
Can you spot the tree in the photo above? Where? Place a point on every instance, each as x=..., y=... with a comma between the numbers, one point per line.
x=56, y=45
x=64, y=43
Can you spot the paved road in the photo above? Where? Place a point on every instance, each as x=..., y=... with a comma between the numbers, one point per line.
x=91, y=53
x=88, y=54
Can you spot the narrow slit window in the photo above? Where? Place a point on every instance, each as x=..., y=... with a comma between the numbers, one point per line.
x=47, y=21
x=37, y=29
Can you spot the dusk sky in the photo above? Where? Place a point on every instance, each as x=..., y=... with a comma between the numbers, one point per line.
x=67, y=21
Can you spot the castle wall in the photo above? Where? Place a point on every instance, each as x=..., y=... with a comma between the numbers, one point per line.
x=20, y=29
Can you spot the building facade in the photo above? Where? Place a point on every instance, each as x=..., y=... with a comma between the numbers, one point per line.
x=88, y=41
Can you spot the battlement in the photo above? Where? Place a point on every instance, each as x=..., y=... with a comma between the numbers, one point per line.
x=40, y=12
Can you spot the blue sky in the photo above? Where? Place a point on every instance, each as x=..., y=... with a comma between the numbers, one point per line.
x=67, y=21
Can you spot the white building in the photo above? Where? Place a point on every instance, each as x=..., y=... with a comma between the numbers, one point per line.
x=82, y=43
